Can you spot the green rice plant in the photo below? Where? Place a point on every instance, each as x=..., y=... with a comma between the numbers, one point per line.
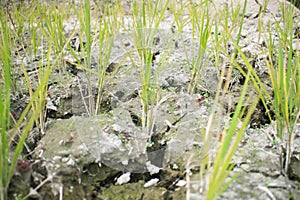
x=105, y=30
x=87, y=30
x=51, y=25
x=201, y=23
x=86, y=39
x=146, y=19
x=23, y=22
x=5, y=87
x=7, y=137
x=231, y=24
x=20, y=19
x=215, y=41
x=237, y=56
x=13, y=140
x=108, y=27
x=52, y=31
x=283, y=67
x=200, y=19
x=180, y=20
x=215, y=168
x=15, y=18
x=33, y=31
x=228, y=21
x=284, y=74
x=260, y=15
x=236, y=14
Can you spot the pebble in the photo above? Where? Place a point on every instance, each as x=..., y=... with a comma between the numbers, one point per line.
x=181, y=183
x=151, y=182
x=125, y=178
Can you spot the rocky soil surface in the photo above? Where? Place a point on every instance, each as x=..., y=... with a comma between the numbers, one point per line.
x=109, y=156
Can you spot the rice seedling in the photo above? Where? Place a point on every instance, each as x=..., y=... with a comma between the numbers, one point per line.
x=201, y=23
x=13, y=140
x=283, y=70
x=236, y=55
x=52, y=36
x=146, y=19
x=85, y=23
x=5, y=100
x=284, y=74
x=99, y=39
x=216, y=167
x=108, y=28
x=199, y=20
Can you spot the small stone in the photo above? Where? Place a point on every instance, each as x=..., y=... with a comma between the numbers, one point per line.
x=125, y=178
x=65, y=160
x=57, y=158
x=125, y=162
x=151, y=182
x=181, y=183
x=152, y=168
x=71, y=162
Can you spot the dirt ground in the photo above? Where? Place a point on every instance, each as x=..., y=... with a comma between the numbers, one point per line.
x=106, y=156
